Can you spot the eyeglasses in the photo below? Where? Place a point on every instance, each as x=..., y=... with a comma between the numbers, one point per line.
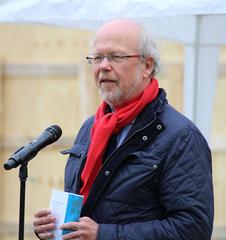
x=111, y=58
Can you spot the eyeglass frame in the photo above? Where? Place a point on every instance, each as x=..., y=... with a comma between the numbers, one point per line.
x=100, y=58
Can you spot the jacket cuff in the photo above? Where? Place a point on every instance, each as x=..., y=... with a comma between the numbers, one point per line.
x=109, y=230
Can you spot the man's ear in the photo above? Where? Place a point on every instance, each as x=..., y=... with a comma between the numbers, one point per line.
x=148, y=67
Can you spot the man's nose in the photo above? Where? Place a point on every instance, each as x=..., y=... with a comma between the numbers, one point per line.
x=105, y=64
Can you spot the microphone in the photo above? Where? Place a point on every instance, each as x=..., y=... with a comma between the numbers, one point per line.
x=26, y=153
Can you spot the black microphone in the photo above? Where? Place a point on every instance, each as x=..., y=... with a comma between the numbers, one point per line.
x=26, y=153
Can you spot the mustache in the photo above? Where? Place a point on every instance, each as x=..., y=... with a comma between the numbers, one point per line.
x=106, y=79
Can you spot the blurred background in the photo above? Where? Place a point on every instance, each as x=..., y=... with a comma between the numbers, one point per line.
x=45, y=80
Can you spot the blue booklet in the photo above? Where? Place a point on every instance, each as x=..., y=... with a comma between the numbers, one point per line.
x=66, y=207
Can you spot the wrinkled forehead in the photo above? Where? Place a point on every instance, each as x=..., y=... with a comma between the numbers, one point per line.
x=113, y=45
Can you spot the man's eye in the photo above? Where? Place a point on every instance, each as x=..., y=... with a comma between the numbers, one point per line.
x=117, y=58
x=97, y=58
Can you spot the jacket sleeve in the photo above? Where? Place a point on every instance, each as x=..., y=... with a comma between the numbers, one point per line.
x=186, y=192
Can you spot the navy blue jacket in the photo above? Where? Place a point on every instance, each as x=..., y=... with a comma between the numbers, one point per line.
x=156, y=185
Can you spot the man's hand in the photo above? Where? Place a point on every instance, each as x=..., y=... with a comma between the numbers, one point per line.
x=44, y=223
x=85, y=229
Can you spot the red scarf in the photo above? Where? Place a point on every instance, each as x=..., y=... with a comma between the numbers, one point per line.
x=107, y=124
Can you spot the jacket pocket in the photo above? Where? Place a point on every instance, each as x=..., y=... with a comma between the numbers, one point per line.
x=76, y=150
x=72, y=167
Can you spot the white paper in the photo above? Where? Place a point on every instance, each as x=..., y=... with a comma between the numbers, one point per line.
x=66, y=207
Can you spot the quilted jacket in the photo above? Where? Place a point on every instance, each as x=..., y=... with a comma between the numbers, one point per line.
x=156, y=185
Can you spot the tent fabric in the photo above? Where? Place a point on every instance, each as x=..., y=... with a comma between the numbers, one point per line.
x=173, y=19
x=42, y=10
x=90, y=14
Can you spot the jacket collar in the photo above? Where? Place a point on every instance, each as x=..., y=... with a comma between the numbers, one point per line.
x=150, y=112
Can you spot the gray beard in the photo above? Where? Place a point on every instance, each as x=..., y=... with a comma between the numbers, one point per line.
x=112, y=98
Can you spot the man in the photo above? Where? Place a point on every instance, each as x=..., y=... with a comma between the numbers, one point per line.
x=143, y=168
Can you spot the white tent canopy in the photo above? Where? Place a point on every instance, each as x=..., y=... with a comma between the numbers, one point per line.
x=199, y=25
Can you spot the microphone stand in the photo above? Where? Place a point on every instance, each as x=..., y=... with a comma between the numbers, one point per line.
x=23, y=174
x=22, y=156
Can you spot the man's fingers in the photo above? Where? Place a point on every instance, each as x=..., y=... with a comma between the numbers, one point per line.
x=42, y=213
x=74, y=227
x=44, y=220
x=71, y=225
x=73, y=235
x=46, y=235
x=86, y=228
x=45, y=228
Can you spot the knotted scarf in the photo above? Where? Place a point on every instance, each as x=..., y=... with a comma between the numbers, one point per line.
x=106, y=124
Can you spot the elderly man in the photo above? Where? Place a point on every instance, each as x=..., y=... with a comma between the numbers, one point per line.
x=143, y=168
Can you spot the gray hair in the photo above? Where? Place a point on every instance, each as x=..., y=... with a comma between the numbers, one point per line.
x=147, y=48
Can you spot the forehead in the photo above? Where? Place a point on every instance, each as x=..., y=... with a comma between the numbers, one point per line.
x=113, y=45
x=119, y=36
